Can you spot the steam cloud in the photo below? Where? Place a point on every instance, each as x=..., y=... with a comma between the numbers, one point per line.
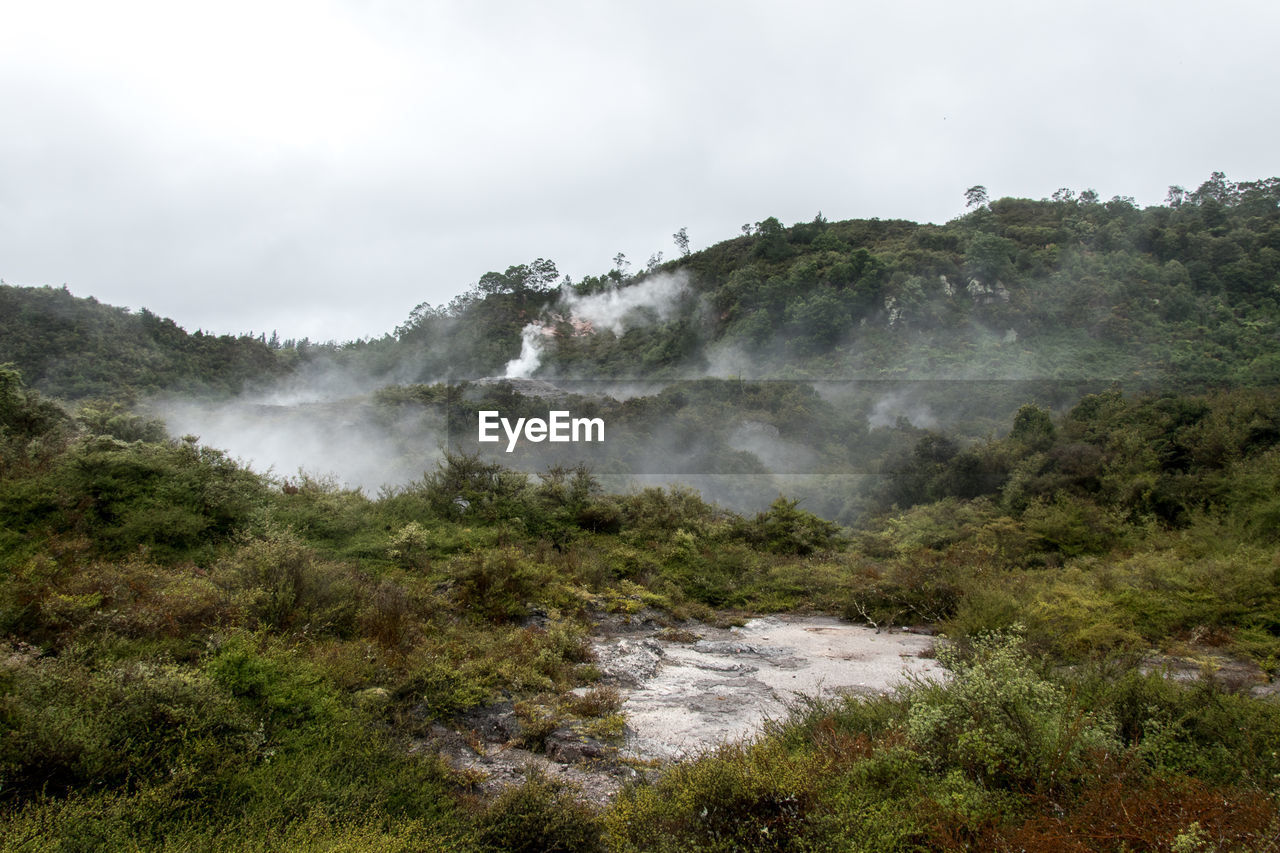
x=325, y=421
x=523, y=366
x=318, y=423
x=898, y=405
x=656, y=299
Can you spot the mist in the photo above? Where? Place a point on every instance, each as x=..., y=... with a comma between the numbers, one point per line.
x=724, y=423
x=321, y=423
x=656, y=299
x=896, y=405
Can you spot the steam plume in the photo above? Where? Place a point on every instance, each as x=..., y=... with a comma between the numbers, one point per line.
x=656, y=299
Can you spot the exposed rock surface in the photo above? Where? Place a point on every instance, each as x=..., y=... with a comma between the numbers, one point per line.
x=684, y=691
x=497, y=765
x=1236, y=675
x=681, y=698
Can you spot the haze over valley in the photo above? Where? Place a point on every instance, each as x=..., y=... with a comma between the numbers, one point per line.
x=639, y=427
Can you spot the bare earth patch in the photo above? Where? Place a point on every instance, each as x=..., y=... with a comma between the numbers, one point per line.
x=685, y=691
x=681, y=698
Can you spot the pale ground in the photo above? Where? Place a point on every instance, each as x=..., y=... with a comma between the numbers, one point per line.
x=685, y=691
x=688, y=689
x=681, y=698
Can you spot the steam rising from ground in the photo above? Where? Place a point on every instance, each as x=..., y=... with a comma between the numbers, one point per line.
x=325, y=421
x=656, y=299
x=523, y=366
x=313, y=425
x=638, y=304
x=900, y=405
x=764, y=442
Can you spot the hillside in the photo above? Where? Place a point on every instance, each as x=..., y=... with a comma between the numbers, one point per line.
x=1181, y=295
x=1046, y=435
x=73, y=347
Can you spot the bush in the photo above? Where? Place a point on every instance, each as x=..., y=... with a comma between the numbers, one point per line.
x=539, y=816
x=601, y=516
x=498, y=584
x=749, y=797
x=442, y=689
x=787, y=529
x=1001, y=723
x=66, y=726
x=1073, y=526
x=284, y=585
x=466, y=486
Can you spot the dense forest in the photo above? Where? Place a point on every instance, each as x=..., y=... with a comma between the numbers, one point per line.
x=200, y=656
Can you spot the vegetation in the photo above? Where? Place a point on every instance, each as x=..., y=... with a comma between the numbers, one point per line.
x=1180, y=295
x=200, y=657
x=194, y=656
x=75, y=348
x=1002, y=757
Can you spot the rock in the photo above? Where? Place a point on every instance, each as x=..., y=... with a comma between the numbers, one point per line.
x=629, y=662
x=1270, y=690
x=565, y=746
x=733, y=647
x=538, y=618
x=1231, y=674
x=492, y=723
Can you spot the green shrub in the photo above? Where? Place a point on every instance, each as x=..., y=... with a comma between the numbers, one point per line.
x=751, y=797
x=601, y=516
x=983, y=608
x=1072, y=526
x=174, y=498
x=442, y=689
x=539, y=816
x=283, y=584
x=65, y=725
x=500, y=584
x=786, y=529
x=409, y=546
x=1197, y=730
x=1001, y=723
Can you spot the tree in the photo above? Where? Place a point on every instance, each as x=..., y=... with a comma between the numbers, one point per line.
x=682, y=241
x=989, y=258
x=773, y=239
x=535, y=277
x=975, y=196
x=23, y=414
x=540, y=275
x=1216, y=189
x=1033, y=428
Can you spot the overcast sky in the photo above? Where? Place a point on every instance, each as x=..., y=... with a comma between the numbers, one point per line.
x=320, y=167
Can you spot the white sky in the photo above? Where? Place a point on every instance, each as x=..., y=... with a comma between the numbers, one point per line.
x=320, y=167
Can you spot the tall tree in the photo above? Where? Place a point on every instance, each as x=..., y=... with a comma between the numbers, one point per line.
x=682, y=241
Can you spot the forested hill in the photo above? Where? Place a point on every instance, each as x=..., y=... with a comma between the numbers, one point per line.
x=1067, y=287
x=75, y=347
x=1182, y=294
